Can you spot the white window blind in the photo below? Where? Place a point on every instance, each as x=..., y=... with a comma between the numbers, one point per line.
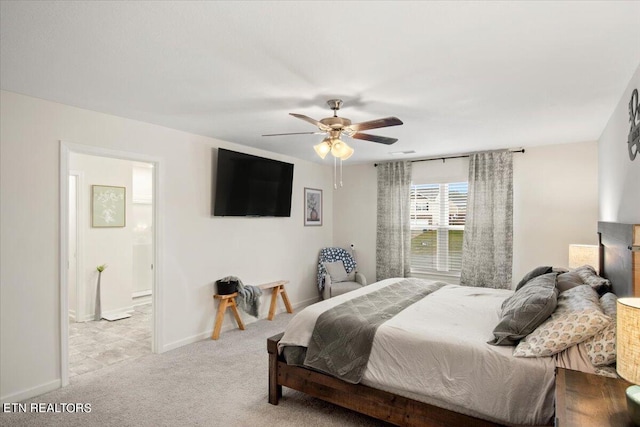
x=438, y=213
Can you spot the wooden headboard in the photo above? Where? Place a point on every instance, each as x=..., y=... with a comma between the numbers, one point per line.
x=620, y=256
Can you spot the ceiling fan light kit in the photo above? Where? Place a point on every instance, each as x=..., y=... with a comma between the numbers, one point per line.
x=335, y=146
x=322, y=149
x=336, y=127
x=341, y=150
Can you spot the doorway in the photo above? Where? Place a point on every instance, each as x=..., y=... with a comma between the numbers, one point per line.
x=126, y=291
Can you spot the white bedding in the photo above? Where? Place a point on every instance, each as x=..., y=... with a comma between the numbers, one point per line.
x=435, y=351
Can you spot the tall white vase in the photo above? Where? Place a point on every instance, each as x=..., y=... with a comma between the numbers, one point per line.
x=98, y=312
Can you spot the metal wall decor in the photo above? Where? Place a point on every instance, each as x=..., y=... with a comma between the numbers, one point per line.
x=634, y=131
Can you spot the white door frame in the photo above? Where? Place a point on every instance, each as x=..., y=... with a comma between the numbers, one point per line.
x=66, y=149
x=79, y=308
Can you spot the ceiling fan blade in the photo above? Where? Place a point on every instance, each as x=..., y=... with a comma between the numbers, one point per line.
x=294, y=133
x=374, y=124
x=374, y=138
x=320, y=126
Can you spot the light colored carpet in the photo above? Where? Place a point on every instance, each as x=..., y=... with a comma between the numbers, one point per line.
x=209, y=383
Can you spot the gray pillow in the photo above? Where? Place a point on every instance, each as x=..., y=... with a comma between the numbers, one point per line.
x=569, y=280
x=336, y=271
x=538, y=271
x=590, y=277
x=526, y=309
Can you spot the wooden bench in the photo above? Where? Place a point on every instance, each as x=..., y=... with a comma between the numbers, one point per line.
x=278, y=288
x=229, y=301
x=226, y=301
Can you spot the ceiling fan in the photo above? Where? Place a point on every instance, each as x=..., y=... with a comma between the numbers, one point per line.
x=336, y=126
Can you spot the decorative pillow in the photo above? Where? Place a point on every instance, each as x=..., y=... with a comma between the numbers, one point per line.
x=601, y=348
x=336, y=271
x=351, y=276
x=577, y=317
x=589, y=277
x=569, y=280
x=538, y=271
x=526, y=309
x=606, y=371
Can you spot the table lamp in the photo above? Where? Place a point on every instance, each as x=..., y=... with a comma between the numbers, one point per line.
x=580, y=255
x=628, y=351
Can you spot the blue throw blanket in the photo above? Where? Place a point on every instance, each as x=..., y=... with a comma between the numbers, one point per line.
x=248, y=296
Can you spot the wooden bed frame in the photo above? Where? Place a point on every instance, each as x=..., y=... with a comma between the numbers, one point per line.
x=379, y=404
x=619, y=262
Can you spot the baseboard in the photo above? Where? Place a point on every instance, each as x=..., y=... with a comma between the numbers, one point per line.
x=85, y=318
x=139, y=294
x=305, y=303
x=89, y=317
x=230, y=324
x=190, y=340
x=32, y=392
x=142, y=299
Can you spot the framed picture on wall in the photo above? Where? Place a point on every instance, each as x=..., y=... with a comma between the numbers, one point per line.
x=108, y=206
x=312, y=206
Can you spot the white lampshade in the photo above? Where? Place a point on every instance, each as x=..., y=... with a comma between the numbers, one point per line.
x=580, y=255
x=323, y=148
x=348, y=153
x=339, y=148
x=628, y=339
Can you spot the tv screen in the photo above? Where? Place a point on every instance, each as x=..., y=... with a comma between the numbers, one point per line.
x=249, y=185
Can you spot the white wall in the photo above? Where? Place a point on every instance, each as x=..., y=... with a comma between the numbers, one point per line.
x=354, y=213
x=111, y=246
x=619, y=183
x=196, y=248
x=555, y=204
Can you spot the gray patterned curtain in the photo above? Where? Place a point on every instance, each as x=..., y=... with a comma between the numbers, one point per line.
x=487, y=247
x=393, y=238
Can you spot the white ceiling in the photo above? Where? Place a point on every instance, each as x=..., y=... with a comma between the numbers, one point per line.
x=463, y=76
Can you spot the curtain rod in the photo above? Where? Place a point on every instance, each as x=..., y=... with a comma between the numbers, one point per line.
x=459, y=156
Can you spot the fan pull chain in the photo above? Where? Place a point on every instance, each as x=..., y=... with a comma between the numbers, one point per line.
x=335, y=167
x=340, y=172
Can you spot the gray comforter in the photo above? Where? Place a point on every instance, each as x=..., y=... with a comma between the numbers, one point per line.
x=343, y=335
x=436, y=351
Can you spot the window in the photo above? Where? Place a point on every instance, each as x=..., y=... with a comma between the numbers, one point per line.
x=438, y=213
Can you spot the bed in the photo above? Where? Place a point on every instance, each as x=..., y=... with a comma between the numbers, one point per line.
x=463, y=375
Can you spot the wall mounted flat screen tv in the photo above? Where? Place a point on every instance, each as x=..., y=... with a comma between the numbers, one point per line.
x=249, y=185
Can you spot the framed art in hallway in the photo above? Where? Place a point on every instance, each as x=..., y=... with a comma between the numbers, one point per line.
x=312, y=206
x=108, y=206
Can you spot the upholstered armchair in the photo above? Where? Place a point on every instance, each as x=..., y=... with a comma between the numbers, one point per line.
x=337, y=273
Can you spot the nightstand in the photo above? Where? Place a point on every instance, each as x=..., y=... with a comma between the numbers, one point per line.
x=584, y=400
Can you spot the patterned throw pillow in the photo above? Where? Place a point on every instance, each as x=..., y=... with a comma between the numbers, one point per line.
x=606, y=371
x=601, y=348
x=577, y=317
